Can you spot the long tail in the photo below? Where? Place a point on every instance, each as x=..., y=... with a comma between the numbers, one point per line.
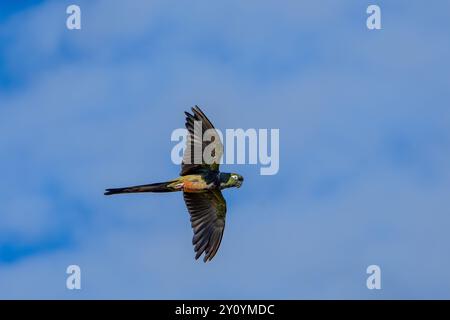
x=154, y=187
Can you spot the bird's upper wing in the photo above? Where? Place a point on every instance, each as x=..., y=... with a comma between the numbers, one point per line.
x=197, y=124
x=207, y=210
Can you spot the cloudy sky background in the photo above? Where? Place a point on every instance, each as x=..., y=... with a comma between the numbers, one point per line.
x=364, y=147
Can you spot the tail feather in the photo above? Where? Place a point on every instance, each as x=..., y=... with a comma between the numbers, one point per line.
x=154, y=187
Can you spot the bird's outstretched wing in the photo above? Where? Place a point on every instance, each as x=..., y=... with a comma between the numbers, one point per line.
x=194, y=156
x=207, y=210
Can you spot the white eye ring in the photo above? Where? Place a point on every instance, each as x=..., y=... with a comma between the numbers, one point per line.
x=234, y=177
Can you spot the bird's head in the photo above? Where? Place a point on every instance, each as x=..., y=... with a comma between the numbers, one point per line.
x=228, y=180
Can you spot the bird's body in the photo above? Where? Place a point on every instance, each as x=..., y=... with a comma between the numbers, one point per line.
x=191, y=183
x=201, y=183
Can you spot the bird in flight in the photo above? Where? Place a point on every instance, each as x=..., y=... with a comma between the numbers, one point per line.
x=201, y=183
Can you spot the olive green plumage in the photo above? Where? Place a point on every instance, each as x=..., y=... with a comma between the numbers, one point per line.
x=201, y=183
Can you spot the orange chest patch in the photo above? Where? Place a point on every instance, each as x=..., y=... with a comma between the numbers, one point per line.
x=193, y=186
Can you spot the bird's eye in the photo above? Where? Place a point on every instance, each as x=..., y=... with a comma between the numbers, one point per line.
x=234, y=177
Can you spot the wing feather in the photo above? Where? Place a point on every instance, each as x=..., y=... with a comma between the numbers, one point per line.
x=197, y=124
x=208, y=211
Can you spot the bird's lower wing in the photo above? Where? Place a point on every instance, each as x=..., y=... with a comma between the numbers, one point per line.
x=207, y=210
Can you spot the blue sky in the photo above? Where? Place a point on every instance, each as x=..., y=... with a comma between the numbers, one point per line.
x=364, y=147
